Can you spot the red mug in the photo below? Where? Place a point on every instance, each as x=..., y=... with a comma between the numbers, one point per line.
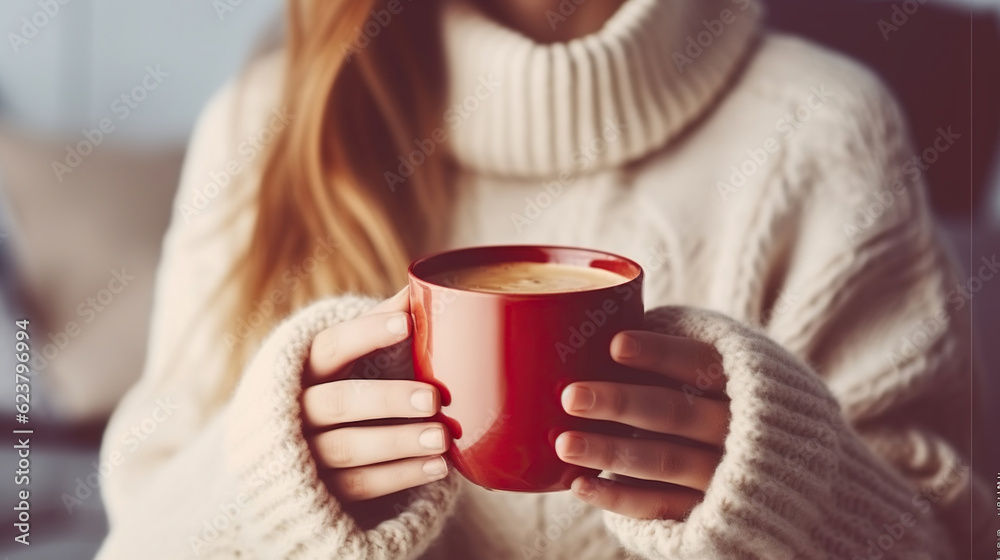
x=501, y=360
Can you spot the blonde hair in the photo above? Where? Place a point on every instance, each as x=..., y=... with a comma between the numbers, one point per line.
x=361, y=84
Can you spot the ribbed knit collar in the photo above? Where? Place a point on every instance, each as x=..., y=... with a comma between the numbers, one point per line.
x=523, y=109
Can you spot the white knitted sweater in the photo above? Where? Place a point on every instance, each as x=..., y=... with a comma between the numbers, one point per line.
x=764, y=185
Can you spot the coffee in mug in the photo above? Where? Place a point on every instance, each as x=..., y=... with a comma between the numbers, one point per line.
x=529, y=278
x=501, y=331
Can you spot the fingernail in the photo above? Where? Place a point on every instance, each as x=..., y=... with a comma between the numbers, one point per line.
x=628, y=347
x=431, y=438
x=396, y=325
x=578, y=399
x=571, y=446
x=583, y=487
x=436, y=468
x=423, y=400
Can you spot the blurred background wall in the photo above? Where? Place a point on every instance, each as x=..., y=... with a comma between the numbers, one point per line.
x=84, y=201
x=65, y=232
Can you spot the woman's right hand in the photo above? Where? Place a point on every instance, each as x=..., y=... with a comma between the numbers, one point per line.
x=367, y=462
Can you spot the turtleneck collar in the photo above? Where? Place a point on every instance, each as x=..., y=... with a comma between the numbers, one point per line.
x=519, y=108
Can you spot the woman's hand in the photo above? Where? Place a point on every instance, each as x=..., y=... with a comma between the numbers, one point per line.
x=672, y=477
x=367, y=462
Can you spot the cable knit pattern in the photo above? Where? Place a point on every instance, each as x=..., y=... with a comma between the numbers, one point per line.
x=844, y=342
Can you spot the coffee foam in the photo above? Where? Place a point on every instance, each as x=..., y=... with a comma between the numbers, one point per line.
x=528, y=278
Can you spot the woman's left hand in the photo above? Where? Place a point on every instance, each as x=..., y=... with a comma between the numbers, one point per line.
x=676, y=475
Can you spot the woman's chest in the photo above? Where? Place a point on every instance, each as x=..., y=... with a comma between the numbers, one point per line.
x=605, y=211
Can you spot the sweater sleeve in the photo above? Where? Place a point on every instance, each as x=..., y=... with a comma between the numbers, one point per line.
x=796, y=480
x=849, y=435
x=196, y=465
